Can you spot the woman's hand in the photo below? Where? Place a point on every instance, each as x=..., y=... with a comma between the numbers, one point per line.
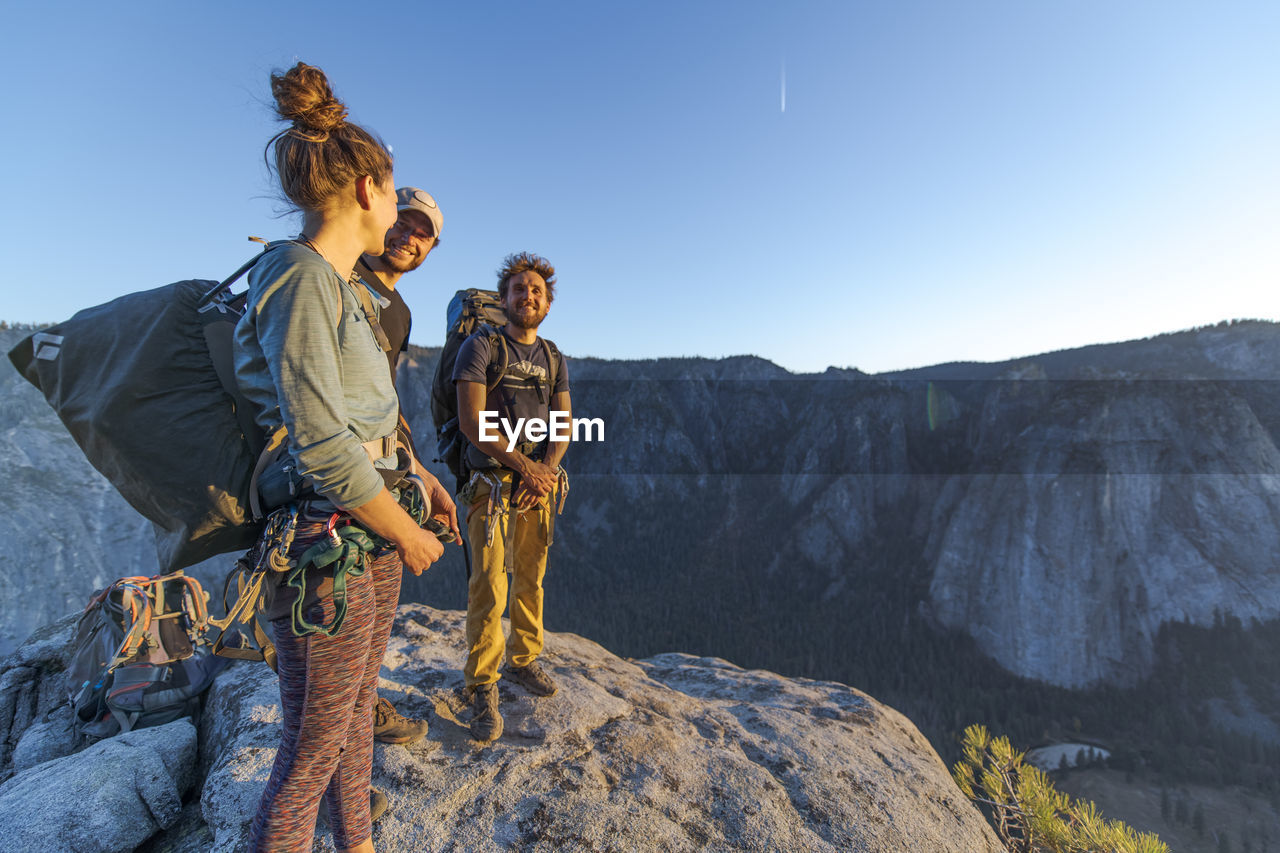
x=383, y=515
x=442, y=506
x=419, y=550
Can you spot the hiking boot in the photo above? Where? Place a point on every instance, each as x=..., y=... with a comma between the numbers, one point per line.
x=377, y=807
x=532, y=678
x=486, y=722
x=390, y=726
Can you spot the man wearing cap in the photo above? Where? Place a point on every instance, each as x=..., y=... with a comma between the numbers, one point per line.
x=410, y=240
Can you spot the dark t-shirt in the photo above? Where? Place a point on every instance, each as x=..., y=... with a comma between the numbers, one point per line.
x=517, y=396
x=395, y=318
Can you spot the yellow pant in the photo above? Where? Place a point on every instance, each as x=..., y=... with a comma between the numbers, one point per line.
x=487, y=590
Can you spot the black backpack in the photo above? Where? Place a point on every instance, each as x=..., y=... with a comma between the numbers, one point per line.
x=470, y=312
x=145, y=385
x=141, y=656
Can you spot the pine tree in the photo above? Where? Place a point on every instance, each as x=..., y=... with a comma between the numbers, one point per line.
x=1028, y=813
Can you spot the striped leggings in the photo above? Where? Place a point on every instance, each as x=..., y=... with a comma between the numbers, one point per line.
x=328, y=688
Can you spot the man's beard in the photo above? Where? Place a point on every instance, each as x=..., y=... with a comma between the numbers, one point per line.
x=528, y=321
x=400, y=264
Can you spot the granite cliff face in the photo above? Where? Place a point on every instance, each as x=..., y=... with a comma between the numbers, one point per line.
x=669, y=753
x=69, y=532
x=1124, y=510
x=1058, y=509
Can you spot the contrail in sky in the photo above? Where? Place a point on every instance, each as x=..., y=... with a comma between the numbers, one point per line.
x=784, y=85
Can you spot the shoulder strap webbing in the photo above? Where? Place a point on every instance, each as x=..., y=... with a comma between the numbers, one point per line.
x=366, y=303
x=235, y=276
x=274, y=444
x=553, y=366
x=504, y=362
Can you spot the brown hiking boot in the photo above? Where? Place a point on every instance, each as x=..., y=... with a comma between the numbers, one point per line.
x=486, y=722
x=532, y=678
x=377, y=807
x=390, y=726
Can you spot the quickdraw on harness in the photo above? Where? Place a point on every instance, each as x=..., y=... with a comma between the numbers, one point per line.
x=499, y=510
x=344, y=550
x=269, y=555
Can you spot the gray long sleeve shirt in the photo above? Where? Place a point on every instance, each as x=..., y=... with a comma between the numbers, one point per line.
x=323, y=377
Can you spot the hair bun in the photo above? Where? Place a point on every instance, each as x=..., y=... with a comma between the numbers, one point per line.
x=321, y=154
x=303, y=96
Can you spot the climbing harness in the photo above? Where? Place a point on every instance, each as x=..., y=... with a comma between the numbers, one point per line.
x=500, y=509
x=344, y=550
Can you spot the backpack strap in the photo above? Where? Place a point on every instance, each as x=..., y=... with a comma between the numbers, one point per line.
x=498, y=347
x=366, y=304
x=226, y=283
x=192, y=605
x=135, y=601
x=504, y=361
x=452, y=446
x=554, y=360
x=273, y=450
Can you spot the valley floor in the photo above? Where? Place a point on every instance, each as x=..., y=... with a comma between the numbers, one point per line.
x=1249, y=823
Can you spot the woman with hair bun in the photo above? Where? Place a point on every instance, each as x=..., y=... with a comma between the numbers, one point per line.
x=308, y=358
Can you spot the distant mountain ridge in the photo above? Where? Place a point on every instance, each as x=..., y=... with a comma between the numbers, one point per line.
x=1237, y=349
x=1059, y=509
x=1059, y=523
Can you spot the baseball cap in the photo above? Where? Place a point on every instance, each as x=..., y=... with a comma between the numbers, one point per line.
x=412, y=198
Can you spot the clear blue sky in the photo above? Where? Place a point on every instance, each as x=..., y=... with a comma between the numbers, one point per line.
x=949, y=180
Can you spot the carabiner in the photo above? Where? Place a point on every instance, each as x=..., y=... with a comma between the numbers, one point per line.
x=334, y=539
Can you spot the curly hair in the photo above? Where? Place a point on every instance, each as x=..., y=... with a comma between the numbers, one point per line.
x=519, y=262
x=320, y=153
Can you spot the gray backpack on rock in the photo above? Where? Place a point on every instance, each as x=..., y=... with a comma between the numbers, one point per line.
x=141, y=656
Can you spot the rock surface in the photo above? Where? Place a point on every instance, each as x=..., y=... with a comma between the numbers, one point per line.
x=670, y=753
x=110, y=797
x=78, y=534
x=32, y=693
x=674, y=752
